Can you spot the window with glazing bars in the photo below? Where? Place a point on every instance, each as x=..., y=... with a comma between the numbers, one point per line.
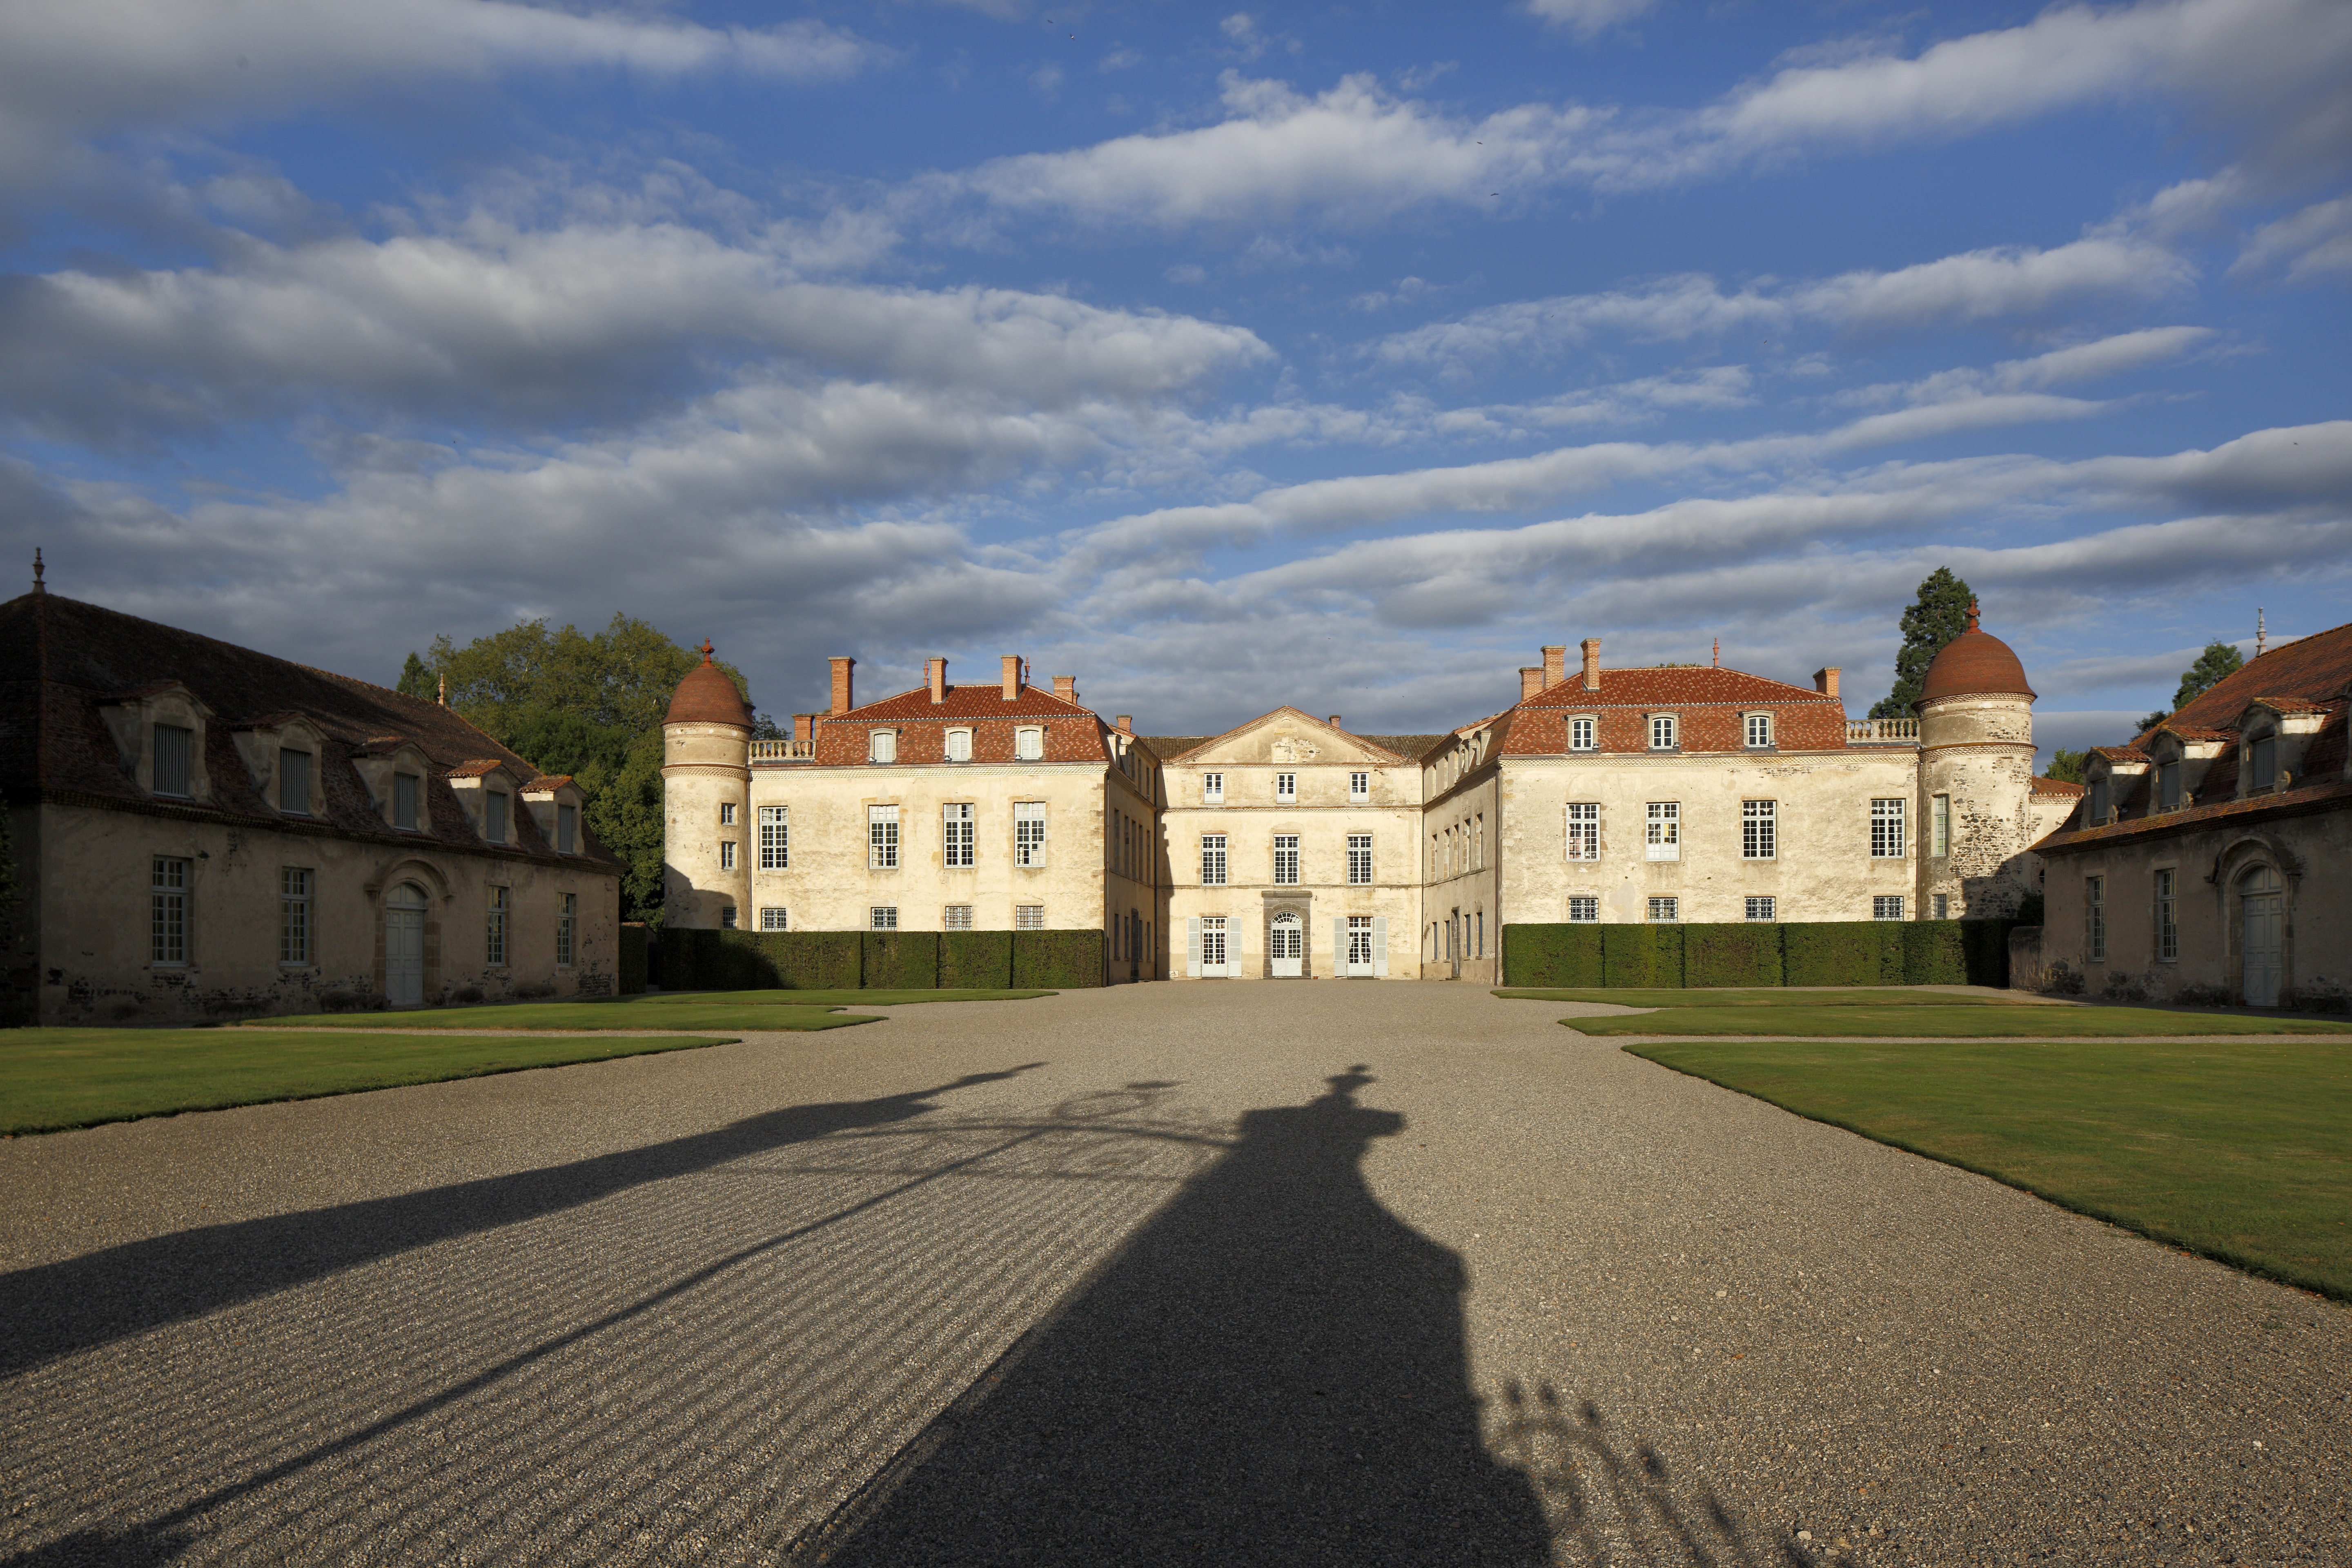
x=2094, y=917
x=775, y=838
x=1760, y=729
x=168, y=912
x=1581, y=734
x=1583, y=910
x=494, y=928
x=883, y=917
x=958, y=918
x=957, y=835
x=1662, y=732
x=1029, y=916
x=567, y=927
x=772, y=918
x=1360, y=859
x=1663, y=830
x=2167, y=917
x=1028, y=833
x=1886, y=907
x=1763, y=908
x=1939, y=826
x=1286, y=786
x=1212, y=787
x=1285, y=859
x=1360, y=786
x=1664, y=910
x=1583, y=830
x=293, y=915
x=1212, y=860
x=882, y=837
x=727, y=853
x=1886, y=830
x=1759, y=829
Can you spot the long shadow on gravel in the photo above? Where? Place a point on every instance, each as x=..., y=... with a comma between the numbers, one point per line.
x=60, y=1307
x=1271, y=1372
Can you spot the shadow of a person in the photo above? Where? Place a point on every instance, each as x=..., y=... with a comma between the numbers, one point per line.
x=1271, y=1371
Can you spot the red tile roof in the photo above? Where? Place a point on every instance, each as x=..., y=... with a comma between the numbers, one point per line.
x=1709, y=702
x=2050, y=786
x=1974, y=664
x=1073, y=733
x=706, y=697
x=2315, y=669
x=1673, y=684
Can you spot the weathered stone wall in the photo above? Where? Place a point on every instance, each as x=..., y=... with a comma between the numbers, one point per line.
x=705, y=766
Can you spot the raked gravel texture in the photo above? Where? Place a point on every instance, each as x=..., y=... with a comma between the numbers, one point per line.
x=1346, y=1274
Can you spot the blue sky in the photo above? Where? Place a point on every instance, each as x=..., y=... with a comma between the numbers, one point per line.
x=1339, y=355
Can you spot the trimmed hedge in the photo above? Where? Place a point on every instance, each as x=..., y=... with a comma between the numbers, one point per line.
x=1058, y=959
x=1643, y=955
x=900, y=961
x=1730, y=953
x=1552, y=954
x=1722, y=952
x=975, y=960
x=634, y=958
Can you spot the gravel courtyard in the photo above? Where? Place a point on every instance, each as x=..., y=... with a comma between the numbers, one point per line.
x=1344, y=1274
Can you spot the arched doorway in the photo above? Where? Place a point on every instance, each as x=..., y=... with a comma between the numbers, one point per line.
x=404, y=945
x=2261, y=948
x=1286, y=944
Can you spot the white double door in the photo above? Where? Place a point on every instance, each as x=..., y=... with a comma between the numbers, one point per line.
x=1357, y=932
x=1286, y=946
x=1211, y=959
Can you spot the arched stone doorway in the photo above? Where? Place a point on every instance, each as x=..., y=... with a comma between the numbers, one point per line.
x=404, y=945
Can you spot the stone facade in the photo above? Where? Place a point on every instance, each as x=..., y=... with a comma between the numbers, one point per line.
x=206, y=832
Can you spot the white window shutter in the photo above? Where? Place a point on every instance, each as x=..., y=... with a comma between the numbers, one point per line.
x=1339, y=946
x=1192, y=947
x=1381, y=946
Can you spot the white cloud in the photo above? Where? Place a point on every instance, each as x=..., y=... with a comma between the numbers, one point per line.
x=1586, y=18
x=2116, y=355
x=2316, y=240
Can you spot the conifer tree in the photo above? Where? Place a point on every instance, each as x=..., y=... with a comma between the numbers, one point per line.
x=2217, y=663
x=1938, y=614
x=416, y=679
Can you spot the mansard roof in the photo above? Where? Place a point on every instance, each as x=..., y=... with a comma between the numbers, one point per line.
x=1673, y=685
x=1708, y=700
x=63, y=661
x=2315, y=669
x=964, y=703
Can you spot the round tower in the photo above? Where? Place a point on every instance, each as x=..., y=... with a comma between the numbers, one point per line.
x=1976, y=779
x=706, y=801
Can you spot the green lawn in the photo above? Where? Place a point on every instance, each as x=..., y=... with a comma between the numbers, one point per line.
x=691, y=1010
x=1969, y=1020
x=1775, y=996
x=2241, y=1151
x=54, y=1079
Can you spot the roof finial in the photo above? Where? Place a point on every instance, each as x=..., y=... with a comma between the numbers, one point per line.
x=39, y=587
x=1972, y=615
x=2261, y=627
x=706, y=650
x=1718, y=653
x=444, y=689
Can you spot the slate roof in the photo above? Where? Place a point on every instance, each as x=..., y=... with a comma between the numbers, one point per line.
x=61, y=660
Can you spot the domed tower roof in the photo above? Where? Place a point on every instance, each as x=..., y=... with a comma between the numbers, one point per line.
x=706, y=697
x=1975, y=664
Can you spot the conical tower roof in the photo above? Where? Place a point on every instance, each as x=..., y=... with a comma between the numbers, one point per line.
x=706, y=697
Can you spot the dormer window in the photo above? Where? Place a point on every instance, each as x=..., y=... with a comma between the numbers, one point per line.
x=1581, y=735
x=294, y=782
x=1759, y=729
x=882, y=746
x=407, y=795
x=1662, y=732
x=495, y=804
x=2262, y=762
x=2098, y=802
x=2167, y=786
x=174, y=751
x=1029, y=745
x=567, y=829
x=959, y=745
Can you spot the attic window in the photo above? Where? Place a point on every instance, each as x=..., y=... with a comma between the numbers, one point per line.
x=1760, y=729
x=959, y=745
x=494, y=816
x=882, y=746
x=2262, y=770
x=1662, y=732
x=567, y=828
x=2167, y=784
x=294, y=782
x=405, y=789
x=2098, y=803
x=174, y=747
x=1029, y=745
x=1581, y=734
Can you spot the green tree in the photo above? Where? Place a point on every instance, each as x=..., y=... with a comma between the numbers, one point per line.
x=2067, y=765
x=2216, y=664
x=588, y=706
x=1938, y=614
x=416, y=679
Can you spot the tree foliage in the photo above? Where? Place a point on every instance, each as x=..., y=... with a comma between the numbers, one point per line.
x=416, y=679
x=588, y=706
x=2217, y=662
x=1938, y=614
x=2067, y=765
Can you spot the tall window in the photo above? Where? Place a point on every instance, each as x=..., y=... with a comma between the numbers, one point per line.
x=775, y=838
x=2167, y=786
x=1886, y=830
x=1028, y=833
x=494, y=934
x=1028, y=917
x=294, y=782
x=882, y=917
x=1663, y=830
x=567, y=829
x=2098, y=803
x=2094, y=917
x=1212, y=942
x=1886, y=907
x=1665, y=911
x=494, y=816
x=1583, y=830
x=1760, y=729
x=567, y=927
x=1583, y=910
x=1360, y=859
x=1939, y=825
x=1285, y=859
x=727, y=917
x=1029, y=745
x=1212, y=789
x=405, y=789
x=773, y=918
x=957, y=918
x=174, y=747
x=293, y=915
x=1662, y=732
x=727, y=853
x=1581, y=736
x=882, y=746
x=1943, y=906
x=2167, y=917
x=1212, y=859
x=882, y=837
x=959, y=745
x=1759, y=829
x=1764, y=909
x=168, y=912
x=956, y=835
x=1360, y=786
x=726, y=814
x=1478, y=840
x=1286, y=786
x=2262, y=774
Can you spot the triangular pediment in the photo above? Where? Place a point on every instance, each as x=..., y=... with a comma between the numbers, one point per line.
x=1289, y=736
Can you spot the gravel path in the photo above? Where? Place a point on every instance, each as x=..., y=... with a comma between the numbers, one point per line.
x=1254, y=1273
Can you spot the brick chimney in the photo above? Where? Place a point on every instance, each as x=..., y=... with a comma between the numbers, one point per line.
x=1066, y=686
x=1555, y=666
x=1825, y=680
x=1127, y=723
x=1012, y=676
x=803, y=725
x=842, y=702
x=1333, y=721
x=1591, y=647
x=1531, y=680
x=935, y=671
